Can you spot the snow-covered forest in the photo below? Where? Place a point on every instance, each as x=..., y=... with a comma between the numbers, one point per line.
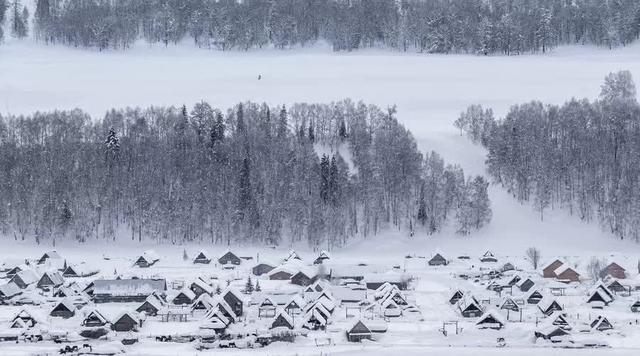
x=252, y=174
x=434, y=26
x=581, y=156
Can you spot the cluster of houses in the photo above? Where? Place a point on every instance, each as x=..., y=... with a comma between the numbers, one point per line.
x=289, y=298
x=558, y=303
x=231, y=300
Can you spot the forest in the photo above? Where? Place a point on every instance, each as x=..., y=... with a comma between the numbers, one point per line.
x=433, y=26
x=583, y=156
x=253, y=174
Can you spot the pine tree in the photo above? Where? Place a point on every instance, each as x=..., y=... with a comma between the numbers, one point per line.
x=248, y=288
x=258, y=288
x=282, y=124
x=184, y=255
x=111, y=146
x=312, y=135
x=342, y=131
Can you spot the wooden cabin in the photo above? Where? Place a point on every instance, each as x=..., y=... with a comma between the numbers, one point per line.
x=565, y=273
x=438, y=260
x=547, y=306
x=551, y=332
x=282, y=320
x=559, y=318
x=549, y=271
x=126, y=322
x=491, y=320
x=358, y=332
x=25, y=278
x=26, y=318
x=488, y=257
x=94, y=319
x=151, y=306
x=65, y=309
x=324, y=256
x=263, y=268
x=234, y=299
x=469, y=307
x=229, y=258
x=47, y=256
x=534, y=297
x=614, y=270
x=457, y=295
x=200, y=287
x=202, y=258
x=601, y=323
x=8, y=291
x=147, y=259
x=50, y=280
x=80, y=270
x=184, y=297
x=303, y=278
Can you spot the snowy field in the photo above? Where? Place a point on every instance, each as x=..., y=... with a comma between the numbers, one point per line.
x=429, y=90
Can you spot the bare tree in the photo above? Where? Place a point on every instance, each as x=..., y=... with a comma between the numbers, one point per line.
x=533, y=254
x=595, y=268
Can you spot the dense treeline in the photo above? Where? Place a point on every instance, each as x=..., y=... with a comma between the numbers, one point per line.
x=582, y=156
x=252, y=174
x=436, y=26
x=18, y=18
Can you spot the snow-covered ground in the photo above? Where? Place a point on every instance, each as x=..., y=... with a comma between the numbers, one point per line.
x=429, y=90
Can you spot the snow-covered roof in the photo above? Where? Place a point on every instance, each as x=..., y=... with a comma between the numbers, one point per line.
x=88, y=312
x=491, y=314
x=50, y=254
x=150, y=256
x=283, y=314
x=122, y=287
x=54, y=276
x=347, y=294
x=202, y=284
x=81, y=270
x=187, y=293
x=292, y=255
x=67, y=303
x=9, y=290
x=133, y=315
x=28, y=276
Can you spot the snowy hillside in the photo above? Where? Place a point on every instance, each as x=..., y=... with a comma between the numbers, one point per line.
x=430, y=92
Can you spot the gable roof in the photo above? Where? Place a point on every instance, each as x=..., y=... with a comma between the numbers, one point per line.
x=491, y=316
x=27, y=276
x=281, y=314
x=9, y=290
x=96, y=314
x=54, y=276
x=202, y=284
x=150, y=256
x=187, y=293
x=359, y=326
x=67, y=304
x=127, y=315
x=601, y=323
x=80, y=270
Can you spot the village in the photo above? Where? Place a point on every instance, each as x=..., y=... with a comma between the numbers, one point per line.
x=233, y=301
